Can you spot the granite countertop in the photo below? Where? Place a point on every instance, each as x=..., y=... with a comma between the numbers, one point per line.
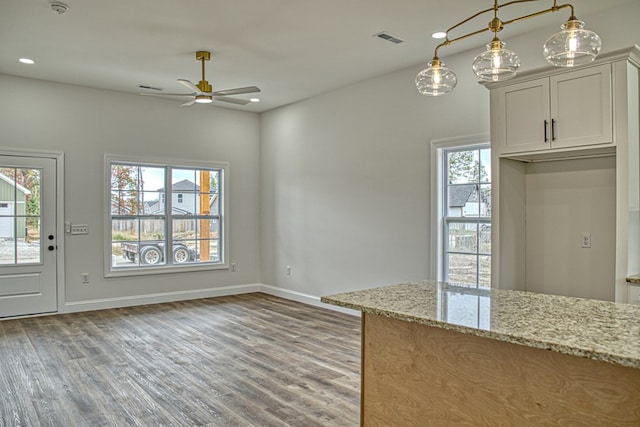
x=593, y=329
x=634, y=279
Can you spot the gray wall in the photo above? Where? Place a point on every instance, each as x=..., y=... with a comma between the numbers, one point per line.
x=346, y=176
x=87, y=123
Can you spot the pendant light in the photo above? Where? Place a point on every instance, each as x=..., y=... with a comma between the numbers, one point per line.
x=436, y=80
x=571, y=47
x=496, y=63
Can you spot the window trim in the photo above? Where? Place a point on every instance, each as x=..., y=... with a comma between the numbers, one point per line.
x=438, y=147
x=166, y=268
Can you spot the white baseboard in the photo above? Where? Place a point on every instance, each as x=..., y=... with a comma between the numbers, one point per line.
x=104, y=303
x=304, y=298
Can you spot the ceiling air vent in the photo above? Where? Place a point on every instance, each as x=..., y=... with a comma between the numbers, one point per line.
x=150, y=87
x=388, y=37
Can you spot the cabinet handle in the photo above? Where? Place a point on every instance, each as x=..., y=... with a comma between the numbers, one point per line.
x=546, y=124
x=553, y=129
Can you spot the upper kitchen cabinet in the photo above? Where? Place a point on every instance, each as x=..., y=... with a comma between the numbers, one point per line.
x=565, y=212
x=568, y=109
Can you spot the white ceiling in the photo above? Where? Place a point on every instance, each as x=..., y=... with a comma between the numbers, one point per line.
x=291, y=49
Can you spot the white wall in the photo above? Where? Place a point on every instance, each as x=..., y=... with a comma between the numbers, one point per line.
x=345, y=182
x=87, y=123
x=565, y=199
x=345, y=176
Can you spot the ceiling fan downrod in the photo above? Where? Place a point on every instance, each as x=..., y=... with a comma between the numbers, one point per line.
x=203, y=85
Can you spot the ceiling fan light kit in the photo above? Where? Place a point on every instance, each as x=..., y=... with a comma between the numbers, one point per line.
x=573, y=46
x=203, y=91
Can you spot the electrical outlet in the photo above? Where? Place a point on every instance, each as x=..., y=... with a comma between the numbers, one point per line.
x=79, y=229
x=85, y=277
x=586, y=240
x=288, y=270
x=233, y=266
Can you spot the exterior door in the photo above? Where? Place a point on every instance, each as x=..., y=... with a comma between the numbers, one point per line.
x=28, y=243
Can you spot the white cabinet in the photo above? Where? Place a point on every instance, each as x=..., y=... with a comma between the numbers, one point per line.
x=585, y=179
x=570, y=109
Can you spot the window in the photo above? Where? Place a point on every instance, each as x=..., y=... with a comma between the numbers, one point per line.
x=461, y=210
x=466, y=215
x=165, y=217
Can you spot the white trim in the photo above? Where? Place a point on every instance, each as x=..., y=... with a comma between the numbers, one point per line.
x=164, y=297
x=224, y=217
x=437, y=148
x=107, y=303
x=304, y=298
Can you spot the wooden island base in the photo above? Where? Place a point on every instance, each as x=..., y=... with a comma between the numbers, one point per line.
x=417, y=375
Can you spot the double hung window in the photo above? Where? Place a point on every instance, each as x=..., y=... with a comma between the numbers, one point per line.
x=466, y=215
x=165, y=216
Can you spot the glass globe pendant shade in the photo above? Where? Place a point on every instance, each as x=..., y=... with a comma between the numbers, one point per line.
x=436, y=79
x=496, y=63
x=573, y=46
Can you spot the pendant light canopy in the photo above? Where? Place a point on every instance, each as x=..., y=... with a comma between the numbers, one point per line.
x=571, y=47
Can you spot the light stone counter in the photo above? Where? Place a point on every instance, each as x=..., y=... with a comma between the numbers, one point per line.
x=592, y=329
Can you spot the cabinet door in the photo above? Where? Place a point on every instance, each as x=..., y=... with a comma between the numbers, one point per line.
x=523, y=116
x=581, y=107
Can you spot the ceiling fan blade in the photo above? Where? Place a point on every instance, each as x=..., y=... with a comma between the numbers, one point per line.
x=190, y=85
x=167, y=94
x=187, y=104
x=231, y=100
x=237, y=91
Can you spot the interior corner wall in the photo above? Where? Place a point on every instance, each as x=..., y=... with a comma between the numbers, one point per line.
x=345, y=176
x=85, y=124
x=346, y=181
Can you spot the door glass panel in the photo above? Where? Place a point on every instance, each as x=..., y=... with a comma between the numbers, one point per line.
x=28, y=251
x=20, y=235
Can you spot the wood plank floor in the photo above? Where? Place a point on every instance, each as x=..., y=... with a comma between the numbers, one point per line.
x=247, y=360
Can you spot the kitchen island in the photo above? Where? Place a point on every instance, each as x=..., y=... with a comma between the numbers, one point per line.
x=440, y=354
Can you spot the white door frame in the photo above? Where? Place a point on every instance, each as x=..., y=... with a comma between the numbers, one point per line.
x=60, y=231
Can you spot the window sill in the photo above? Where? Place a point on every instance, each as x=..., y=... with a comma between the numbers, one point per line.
x=131, y=272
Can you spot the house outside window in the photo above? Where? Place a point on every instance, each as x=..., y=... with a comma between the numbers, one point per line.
x=164, y=217
x=466, y=215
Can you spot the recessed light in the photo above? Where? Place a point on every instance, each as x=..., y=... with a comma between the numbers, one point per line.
x=439, y=35
x=26, y=61
x=255, y=100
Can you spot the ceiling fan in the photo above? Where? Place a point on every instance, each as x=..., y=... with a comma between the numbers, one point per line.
x=203, y=92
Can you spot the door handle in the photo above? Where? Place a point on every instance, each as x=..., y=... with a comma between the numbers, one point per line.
x=546, y=137
x=51, y=237
x=51, y=247
x=553, y=129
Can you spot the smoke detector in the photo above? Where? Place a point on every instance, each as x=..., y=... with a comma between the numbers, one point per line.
x=58, y=7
